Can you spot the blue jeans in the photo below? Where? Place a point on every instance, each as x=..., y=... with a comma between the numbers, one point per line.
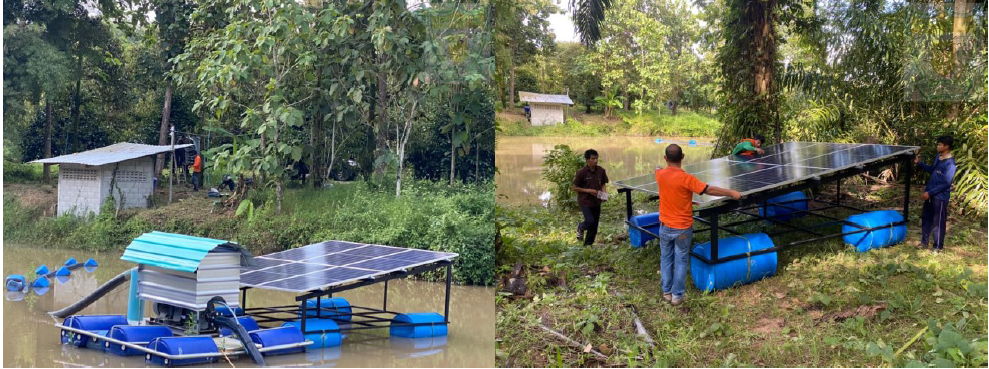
x=674, y=247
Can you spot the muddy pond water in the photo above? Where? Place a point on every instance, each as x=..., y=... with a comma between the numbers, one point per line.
x=519, y=161
x=31, y=340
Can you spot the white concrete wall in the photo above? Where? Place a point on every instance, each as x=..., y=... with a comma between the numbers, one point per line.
x=78, y=189
x=135, y=181
x=545, y=114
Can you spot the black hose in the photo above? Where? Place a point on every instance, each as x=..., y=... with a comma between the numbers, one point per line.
x=234, y=325
x=96, y=295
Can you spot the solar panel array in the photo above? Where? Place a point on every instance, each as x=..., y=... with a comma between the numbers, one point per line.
x=332, y=263
x=779, y=165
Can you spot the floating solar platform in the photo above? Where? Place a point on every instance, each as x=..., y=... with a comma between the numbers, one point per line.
x=333, y=263
x=781, y=169
x=780, y=165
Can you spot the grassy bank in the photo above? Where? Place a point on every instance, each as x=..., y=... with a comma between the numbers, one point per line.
x=650, y=123
x=429, y=216
x=827, y=305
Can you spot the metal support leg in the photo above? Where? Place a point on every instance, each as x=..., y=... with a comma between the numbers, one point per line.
x=384, y=305
x=908, y=163
x=243, y=298
x=714, y=237
x=837, y=195
x=628, y=203
x=449, y=281
x=305, y=314
x=319, y=308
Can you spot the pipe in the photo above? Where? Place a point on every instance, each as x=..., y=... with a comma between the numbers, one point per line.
x=96, y=295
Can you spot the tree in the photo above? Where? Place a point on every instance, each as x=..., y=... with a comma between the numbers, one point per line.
x=172, y=20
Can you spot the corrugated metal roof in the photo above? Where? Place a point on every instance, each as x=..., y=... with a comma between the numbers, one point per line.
x=111, y=154
x=544, y=98
x=177, y=251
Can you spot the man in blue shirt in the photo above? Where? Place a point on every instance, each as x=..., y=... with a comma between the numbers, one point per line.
x=934, y=217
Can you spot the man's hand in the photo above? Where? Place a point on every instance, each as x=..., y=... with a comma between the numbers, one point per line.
x=760, y=151
x=925, y=196
x=735, y=195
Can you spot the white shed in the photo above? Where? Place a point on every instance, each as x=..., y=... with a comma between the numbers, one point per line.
x=85, y=178
x=545, y=110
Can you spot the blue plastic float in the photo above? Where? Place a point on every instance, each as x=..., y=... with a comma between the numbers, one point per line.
x=42, y=270
x=338, y=304
x=71, y=262
x=41, y=282
x=63, y=271
x=320, y=339
x=283, y=335
x=433, y=325
x=137, y=334
x=91, y=263
x=710, y=277
x=99, y=324
x=647, y=221
x=15, y=282
x=865, y=241
x=796, y=200
x=182, y=346
x=247, y=322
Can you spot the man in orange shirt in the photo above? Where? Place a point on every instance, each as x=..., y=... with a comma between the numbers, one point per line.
x=197, y=170
x=676, y=216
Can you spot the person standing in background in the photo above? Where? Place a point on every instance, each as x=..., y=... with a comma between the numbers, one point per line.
x=589, y=183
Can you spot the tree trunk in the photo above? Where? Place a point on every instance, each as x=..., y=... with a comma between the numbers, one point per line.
x=675, y=106
x=278, y=181
x=380, y=127
x=453, y=158
x=166, y=112
x=765, y=58
x=74, y=137
x=961, y=46
x=46, y=174
x=628, y=99
x=477, y=163
x=511, y=88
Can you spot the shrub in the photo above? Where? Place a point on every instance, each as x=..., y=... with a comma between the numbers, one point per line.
x=559, y=167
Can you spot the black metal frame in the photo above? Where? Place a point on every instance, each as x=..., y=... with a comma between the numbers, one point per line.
x=371, y=318
x=710, y=215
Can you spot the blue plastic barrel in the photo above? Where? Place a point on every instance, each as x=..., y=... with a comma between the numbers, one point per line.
x=247, y=322
x=184, y=346
x=137, y=334
x=647, y=221
x=795, y=200
x=15, y=282
x=864, y=241
x=320, y=339
x=328, y=305
x=91, y=263
x=41, y=282
x=741, y=271
x=63, y=271
x=225, y=311
x=71, y=262
x=692, y=143
x=283, y=335
x=432, y=325
x=42, y=270
x=99, y=324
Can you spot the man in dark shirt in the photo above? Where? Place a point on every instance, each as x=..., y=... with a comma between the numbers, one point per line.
x=589, y=184
x=934, y=217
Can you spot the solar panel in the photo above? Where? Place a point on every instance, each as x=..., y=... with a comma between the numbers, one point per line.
x=332, y=263
x=779, y=165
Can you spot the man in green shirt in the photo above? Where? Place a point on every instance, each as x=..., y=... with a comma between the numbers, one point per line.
x=749, y=146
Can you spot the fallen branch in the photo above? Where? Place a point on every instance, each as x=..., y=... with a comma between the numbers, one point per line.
x=639, y=328
x=573, y=343
x=912, y=340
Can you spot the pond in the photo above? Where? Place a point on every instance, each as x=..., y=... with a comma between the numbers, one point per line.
x=31, y=340
x=519, y=161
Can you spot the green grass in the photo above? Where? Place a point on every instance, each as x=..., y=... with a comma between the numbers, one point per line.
x=649, y=123
x=773, y=322
x=25, y=173
x=428, y=215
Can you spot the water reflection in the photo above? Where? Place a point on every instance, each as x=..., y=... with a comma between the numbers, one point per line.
x=32, y=340
x=519, y=161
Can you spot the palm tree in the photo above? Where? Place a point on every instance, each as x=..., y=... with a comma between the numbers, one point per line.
x=587, y=18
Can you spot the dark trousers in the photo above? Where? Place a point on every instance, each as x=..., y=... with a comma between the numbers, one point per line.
x=592, y=214
x=197, y=180
x=933, y=220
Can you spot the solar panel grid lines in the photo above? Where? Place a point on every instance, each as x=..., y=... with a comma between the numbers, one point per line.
x=332, y=263
x=780, y=165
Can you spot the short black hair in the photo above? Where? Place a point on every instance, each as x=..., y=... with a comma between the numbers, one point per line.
x=947, y=140
x=674, y=153
x=761, y=138
x=589, y=153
